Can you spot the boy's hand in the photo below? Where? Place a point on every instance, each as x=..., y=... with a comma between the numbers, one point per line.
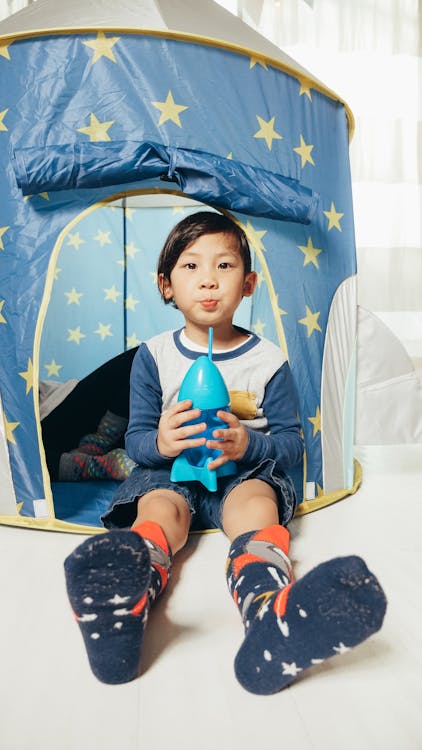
x=233, y=441
x=173, y=437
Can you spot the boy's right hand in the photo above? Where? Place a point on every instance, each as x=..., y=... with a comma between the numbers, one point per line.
x=173, y=436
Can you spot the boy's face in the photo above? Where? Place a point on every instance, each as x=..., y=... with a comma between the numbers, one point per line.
x=208, y=281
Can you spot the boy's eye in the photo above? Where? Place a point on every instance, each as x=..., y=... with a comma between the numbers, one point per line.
x=224, y=265
x=190, y=266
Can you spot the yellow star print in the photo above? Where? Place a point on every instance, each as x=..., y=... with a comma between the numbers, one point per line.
x=103, y=237
x=280, y=309
x=103, y=331
x=57, y=270
x=38, y=195
x=261, y=278
x=132, y=341
x=267, y=131
x=257, y=61
x=316, y=421
x=73, y=297
x=75, y=240
x=304, y=152
x=169, y=110
x=333, y=218
x=310, y=252
x=97, y=130
x=4, y=50
x=2, y=319
x=305, y=88
x=311, y=321
x=259, y=327
x=102, y=46
x=28, y=376
x=254, y=236
x=131, y=250
x=10, y=427
x=53, y=369
x=75, y=335
x=2, y=116
x=130, y=303
x=111, y=294
x=3, y=231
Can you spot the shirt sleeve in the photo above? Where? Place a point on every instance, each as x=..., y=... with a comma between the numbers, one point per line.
x=145, y=404
x=282, y=441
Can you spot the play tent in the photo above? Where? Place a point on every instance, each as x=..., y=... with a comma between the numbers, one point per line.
x=107, y=109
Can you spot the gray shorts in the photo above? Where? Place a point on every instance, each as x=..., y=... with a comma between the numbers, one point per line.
x=205, y=507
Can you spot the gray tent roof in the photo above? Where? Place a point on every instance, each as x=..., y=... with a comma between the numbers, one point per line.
x=198, y=17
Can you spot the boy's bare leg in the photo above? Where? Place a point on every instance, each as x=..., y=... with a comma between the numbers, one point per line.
x=250, y=506
x=170, y=511
x=113, y=578
x=289, y=626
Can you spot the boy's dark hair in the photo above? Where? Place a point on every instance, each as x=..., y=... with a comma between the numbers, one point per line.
x=190, y=229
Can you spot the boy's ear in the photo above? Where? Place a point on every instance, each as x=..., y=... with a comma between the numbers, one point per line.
x=249, y=283
x=165, y=287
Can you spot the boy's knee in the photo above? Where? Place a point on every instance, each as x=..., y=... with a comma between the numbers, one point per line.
x=249, y=507
x=170, y=510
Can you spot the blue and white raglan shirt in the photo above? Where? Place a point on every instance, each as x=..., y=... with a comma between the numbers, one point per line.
x=259, y=381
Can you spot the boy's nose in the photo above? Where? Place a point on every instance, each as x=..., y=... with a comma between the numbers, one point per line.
x=209, y=283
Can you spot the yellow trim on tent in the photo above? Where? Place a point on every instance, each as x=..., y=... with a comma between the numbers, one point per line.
x=196, y=38
x=308, y=506
x=53, y=524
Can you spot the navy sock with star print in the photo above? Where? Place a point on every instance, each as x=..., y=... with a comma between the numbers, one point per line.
x=290, y=626
x=111, y=581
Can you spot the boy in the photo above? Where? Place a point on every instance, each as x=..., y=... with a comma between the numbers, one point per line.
x=205, y=270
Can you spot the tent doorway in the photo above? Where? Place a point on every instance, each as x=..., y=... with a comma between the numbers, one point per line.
x=101, y=300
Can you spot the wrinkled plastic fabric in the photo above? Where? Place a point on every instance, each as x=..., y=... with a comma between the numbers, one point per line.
x=51, y=89
x=204, y=177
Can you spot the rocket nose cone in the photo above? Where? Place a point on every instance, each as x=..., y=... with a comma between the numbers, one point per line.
x=203, y=384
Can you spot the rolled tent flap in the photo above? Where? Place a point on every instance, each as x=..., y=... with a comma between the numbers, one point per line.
x=204, y=177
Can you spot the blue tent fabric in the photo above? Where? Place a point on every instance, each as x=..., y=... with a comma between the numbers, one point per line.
x=238, y=134
x=205, y=177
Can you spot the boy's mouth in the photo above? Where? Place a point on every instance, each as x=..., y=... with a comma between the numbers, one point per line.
x=209, y=304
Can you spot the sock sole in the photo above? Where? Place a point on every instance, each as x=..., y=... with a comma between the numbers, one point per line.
x=107, y=579
x=333, y=608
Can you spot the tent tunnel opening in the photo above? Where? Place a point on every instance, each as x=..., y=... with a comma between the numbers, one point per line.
x=103, y=301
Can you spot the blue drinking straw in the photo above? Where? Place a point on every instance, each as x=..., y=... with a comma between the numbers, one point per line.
x=210, y=337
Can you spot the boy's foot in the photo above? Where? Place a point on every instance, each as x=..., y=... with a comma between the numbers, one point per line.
x=331, y=609
x=109, y=431
x=76, y=466
x=107, y=580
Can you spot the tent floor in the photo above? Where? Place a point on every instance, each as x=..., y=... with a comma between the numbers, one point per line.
x=188, y=698
x=93, y=499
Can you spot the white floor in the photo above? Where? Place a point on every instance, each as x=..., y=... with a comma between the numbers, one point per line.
x=188, y=698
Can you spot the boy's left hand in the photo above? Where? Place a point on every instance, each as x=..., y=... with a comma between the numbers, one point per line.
x=232, y=441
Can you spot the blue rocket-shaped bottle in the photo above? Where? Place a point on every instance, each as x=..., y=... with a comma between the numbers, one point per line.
x=203, y=384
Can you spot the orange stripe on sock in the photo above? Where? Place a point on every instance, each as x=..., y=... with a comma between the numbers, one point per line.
x=275, y=534
x=138, y=608
x=153, y=531
x=242, y=560
x=280, y=602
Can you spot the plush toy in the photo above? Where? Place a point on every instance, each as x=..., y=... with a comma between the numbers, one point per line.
x=203, y=384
